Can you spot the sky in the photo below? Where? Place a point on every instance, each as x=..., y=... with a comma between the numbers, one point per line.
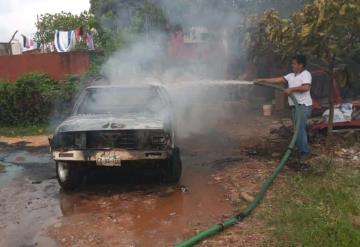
x=21, y=14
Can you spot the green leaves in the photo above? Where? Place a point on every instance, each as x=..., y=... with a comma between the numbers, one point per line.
x=149, y=17
x=306, y=31
x=322, y=29
x=269, y=35
x=35, y=98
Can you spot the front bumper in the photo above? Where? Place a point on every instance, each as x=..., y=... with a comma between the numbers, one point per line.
x=123, y=155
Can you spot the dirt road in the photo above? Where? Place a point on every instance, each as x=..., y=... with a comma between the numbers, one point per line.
x=124, y=208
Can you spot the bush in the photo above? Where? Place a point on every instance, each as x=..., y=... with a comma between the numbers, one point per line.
x=68, y=90
x=33, y=98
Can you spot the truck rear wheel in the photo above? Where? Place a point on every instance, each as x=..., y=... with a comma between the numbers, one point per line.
x=173, y=168
x=68, y=175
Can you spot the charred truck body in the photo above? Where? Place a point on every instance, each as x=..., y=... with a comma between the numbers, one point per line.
x=114, y=125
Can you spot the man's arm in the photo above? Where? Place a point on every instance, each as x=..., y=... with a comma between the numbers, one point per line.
x=271, y=80
x=300, y=89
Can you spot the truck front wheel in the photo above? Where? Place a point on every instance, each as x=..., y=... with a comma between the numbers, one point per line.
x=68, y=175
x=173, y=167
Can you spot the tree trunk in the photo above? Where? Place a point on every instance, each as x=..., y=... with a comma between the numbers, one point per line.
x=331, y=97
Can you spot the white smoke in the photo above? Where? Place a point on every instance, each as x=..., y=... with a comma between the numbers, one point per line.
x=199, y=104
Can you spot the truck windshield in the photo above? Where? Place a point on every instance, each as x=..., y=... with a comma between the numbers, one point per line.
x=120, y=100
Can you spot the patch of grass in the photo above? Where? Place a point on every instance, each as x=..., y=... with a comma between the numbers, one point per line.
x=316, y=210
x=24, y=131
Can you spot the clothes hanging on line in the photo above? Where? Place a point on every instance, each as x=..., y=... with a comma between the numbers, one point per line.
x=28, y=43
x=64, y=41
x=79, y=34
x=90, y=41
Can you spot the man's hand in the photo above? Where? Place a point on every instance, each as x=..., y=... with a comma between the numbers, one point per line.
x=287, y=91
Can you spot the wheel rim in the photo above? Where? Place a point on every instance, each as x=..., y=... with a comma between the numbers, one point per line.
x=63, y=171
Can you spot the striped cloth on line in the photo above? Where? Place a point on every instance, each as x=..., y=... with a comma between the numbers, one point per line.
x=64, y=41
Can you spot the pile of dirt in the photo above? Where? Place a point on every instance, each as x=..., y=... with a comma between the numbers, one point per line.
x=28, y=141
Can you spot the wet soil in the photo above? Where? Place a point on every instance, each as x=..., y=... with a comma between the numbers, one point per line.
x=30, y=141
x=127, y=208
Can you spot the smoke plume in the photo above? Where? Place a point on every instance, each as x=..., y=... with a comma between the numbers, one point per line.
x=188, y=75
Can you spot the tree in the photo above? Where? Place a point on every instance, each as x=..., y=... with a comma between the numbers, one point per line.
x=284, y=7
x=326, y=30
x=48, y=23
x=120, y=21
x=149, y=17
x=134, y=15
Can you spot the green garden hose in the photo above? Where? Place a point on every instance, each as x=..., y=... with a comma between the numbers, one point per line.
x=265, y=186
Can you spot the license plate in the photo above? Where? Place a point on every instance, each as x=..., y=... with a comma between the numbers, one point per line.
x=107, y=159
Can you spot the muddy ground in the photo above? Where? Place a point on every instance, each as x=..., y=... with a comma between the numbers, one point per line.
x=130, y=207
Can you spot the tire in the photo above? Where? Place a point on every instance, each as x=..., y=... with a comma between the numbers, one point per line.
x=68, y=175
x=172, y=168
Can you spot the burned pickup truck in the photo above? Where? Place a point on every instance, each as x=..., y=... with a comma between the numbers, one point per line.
x=116, y=125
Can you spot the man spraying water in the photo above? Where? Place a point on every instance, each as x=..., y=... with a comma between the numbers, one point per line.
x=299, y=83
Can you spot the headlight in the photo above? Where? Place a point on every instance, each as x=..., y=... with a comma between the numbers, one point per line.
x=157, y=140
x=160, y=139
x=80, y=140
x=66, y=140
x=72, y=140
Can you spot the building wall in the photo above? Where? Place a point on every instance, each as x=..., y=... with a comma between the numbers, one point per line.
x=57, y=65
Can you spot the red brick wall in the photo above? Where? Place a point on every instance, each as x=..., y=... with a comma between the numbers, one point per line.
x=57, y=65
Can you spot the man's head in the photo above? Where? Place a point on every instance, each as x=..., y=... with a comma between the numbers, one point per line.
x=298, y=63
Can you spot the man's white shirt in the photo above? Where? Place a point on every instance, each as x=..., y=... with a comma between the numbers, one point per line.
x=298, y=80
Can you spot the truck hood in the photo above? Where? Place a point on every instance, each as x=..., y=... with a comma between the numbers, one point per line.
x=110, y=122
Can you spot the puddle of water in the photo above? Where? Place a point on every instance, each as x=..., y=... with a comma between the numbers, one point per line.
x=120, y=214
x=9, y=172
x=34, y=165
x=150, y=214
x=25, y=157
